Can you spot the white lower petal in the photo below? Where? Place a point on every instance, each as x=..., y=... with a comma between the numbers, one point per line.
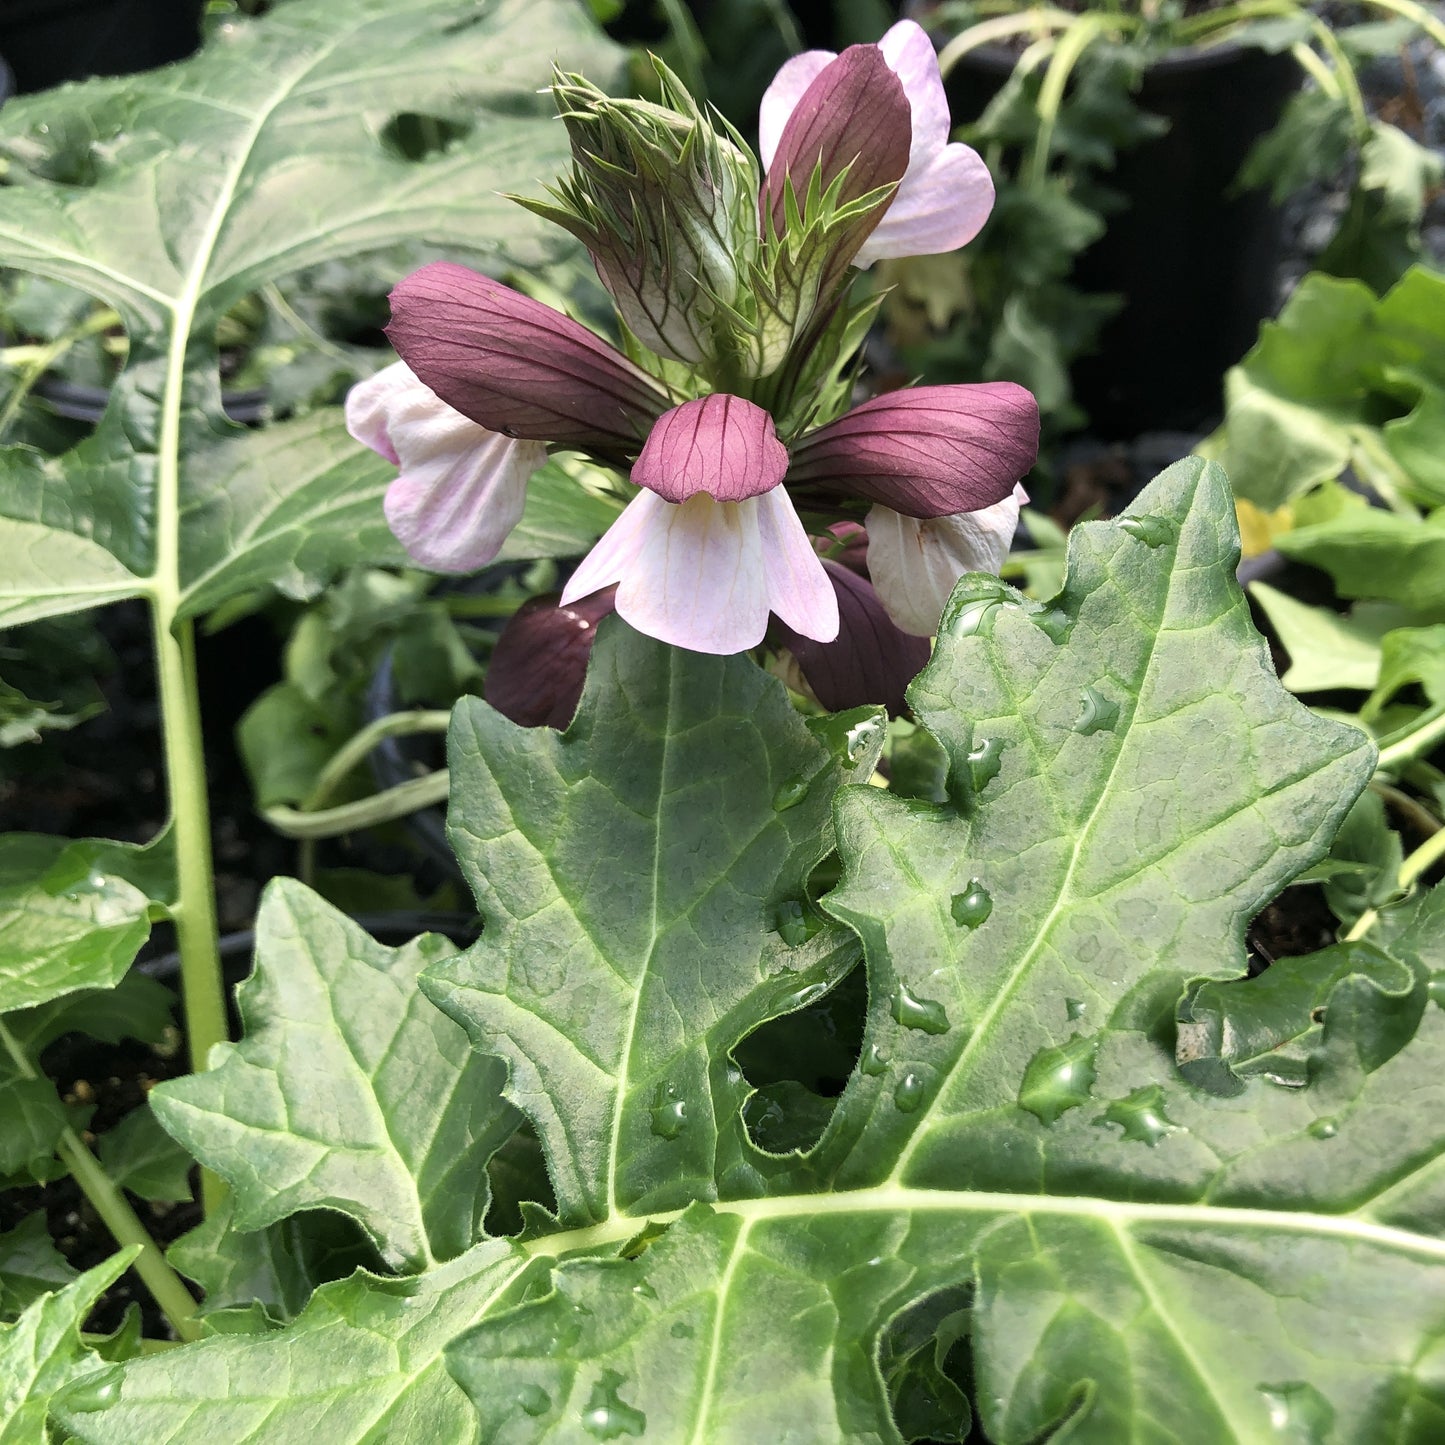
x=799, y=589
x=938, y=208
x=914, y=562
x=461, y=489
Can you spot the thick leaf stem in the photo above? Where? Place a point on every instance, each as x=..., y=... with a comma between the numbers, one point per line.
x=124, y=1224
x=202, y=988
x=1425, y=857
x=1409, y=743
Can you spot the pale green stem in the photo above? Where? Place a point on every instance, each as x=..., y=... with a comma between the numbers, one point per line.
x=1317, y=70
x=691, y=51
x=1345, y=74
x=1428, y=22
x=384, y=807
x=1425, y=857
x=1076, y=40
x=1408, y=743
x=38, y=360
x=203, y=998
x=115, y=1212
x=1372, y=460
x=1040, y=22
x=785, y=24
x=1214, y=23
x=348, y=756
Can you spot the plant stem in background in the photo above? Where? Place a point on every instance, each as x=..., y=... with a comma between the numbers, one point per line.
x=1425, y=857
x=1076, y=40
x=111, y=1204
x=203, y=998
x=1038, y=22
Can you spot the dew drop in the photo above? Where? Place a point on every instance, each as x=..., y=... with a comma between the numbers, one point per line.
x=909, y=1093
x=1140, y=1115
x=1059, y=1079
x=534, y=1400
x=94, y=1392
x=861, y=738
x=973, y=618
x=1298, y=1412
x=1151, y=531
x=918, y=1013
x=1074, y=1009
x=681, y=1330
x=1323, y=1129
x=972, y=906
x=801, y=998
x=984, y=761
x=790, y=794
x=874, y=1062
x=608, y=1415
x=1055, y=624
x=643, y=1290
x=1098, y=713
x=669, y=1113
x=790, y=922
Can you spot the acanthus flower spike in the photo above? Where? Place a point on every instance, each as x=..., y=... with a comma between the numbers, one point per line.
x=927, y=451
x=946, y=192
x=518, y=367
x=704, y=571
x=461, y=488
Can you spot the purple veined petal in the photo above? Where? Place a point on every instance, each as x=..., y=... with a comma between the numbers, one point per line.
x=798, y=587
x=539, y=664
x=781, y=98
x=915, y=562
x=939, y=208
x=928, y=451
x=720, y=445
x=912, y=58
x=870, y=661
x=462, y=488
x=516, y=366
x=854, y=115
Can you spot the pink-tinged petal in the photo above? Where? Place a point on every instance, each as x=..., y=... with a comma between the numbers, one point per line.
x=911, y=57
x=721, y=445
x=617, y=550
x=781, y=98
x=940, y=208
x=928, y=451
x=516, y=366
x=853, y=116
x=461, y=488
x=914, y=563
x=539, y=664
x=871, y=660
x=798, y=587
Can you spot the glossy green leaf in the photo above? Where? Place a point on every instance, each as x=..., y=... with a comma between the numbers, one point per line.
x=1409, y=655
x=140, y=1156
x=1377, y=554
x=30, y=1266
x=1326, y=650
x=643, y=906
x=362, y=1364
x=42, y=1352
x=70, y=918
x=349, y=1090
x=173, y=195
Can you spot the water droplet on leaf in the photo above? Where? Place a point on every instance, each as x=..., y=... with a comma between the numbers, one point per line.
x=1074, y=1009
x=790, y=794
x=984, y=760
x=1059, y=1079
x=1055, y=624
x=94, y=1392
x=972, y=906
x=643, y=1290
x=1151, y=531
x=861, y=739
x=973, y=618
x=534, y=1400
x=1099, y=713
x=669, y=1113
x=1323, y=1129
x=1141, y=1116
x=1298, y=1412
x=607, y=1415
x=874, y=1062
x=909, y=1093
x=682, y=1330
x=918, y=1013
x=790, y=922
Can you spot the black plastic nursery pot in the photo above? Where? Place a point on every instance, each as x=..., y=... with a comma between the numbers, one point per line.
x=1194, y=259
x=47, y=42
